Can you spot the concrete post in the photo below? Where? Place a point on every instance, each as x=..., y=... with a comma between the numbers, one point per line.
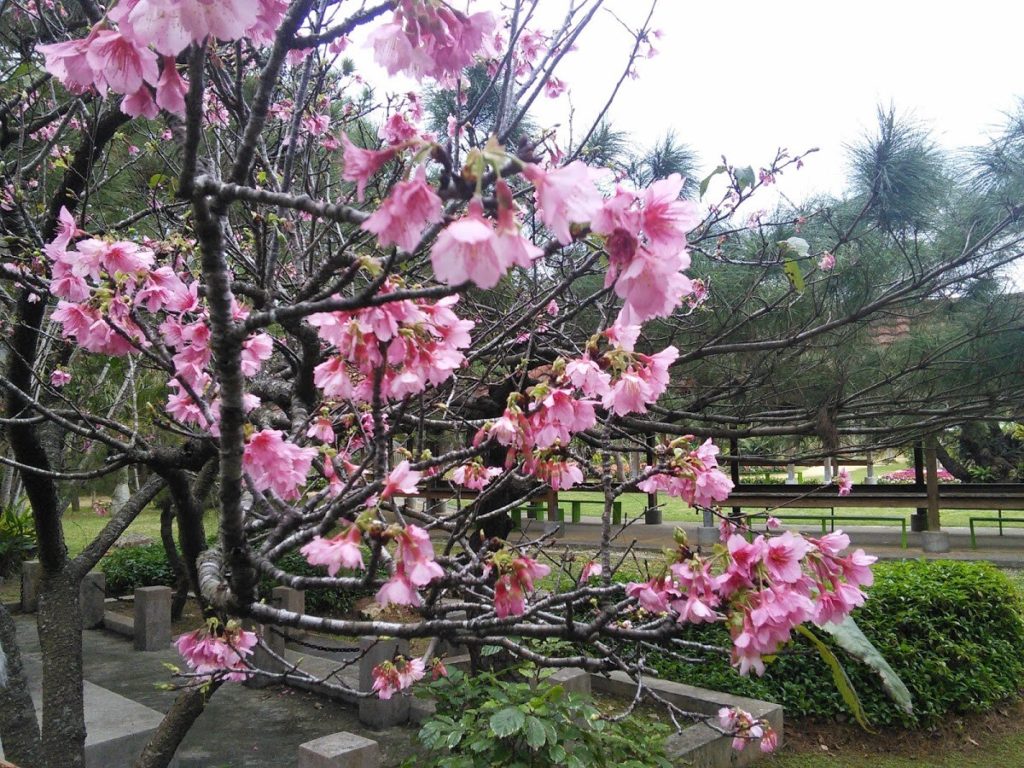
x=634, y=464
x=373, y=711
x=31, y=575
x=931, y=459
x=339, y=750
x=870, y=479
x=286, y=599
x=790, y=474
x=92, y=593
x=152, y=618
x=827, y=466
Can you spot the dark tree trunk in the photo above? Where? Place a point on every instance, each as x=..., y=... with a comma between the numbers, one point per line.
x=60, y=640
x=19, y=730
x=176, y=723
x=181, y=581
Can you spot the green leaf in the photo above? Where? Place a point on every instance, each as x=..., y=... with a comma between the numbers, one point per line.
x=507, y=721
x=535, y=735
x=839, y=675
x=707, y=180
x=794, y=275
x=156, y=180
x=744, y=177
x=850, y=638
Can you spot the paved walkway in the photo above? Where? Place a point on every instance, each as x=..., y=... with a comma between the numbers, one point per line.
x=241, y=727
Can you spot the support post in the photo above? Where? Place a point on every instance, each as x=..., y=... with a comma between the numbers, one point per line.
x=652, y=515
x=919, y=522
x=790, y=474
x=931, y=459
x=827, y=468
x=734, y=470
x=870, y=479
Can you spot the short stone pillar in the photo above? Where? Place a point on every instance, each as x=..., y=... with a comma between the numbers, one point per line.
x=31, y=576
x=285, y=599
x=870, y=478
x=827, y=467
x=708, y=534
x=373, y=711
x=340, y=750
x=152, y=618
x=935, y=541
x=634, y=464
x=92, y=595
x=790, y=474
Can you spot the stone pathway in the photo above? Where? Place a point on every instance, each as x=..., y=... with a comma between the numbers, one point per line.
x=241, y=727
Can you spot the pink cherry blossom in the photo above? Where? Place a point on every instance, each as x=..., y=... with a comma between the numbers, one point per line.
x=565, y=196
x=391, y=677
x=401, y=480
x=255, y=350
x=845, y=482
x=275, y=464
x=363, y=164
x=466, y=251
x=341, y=551
x=59, y=377
x=322, y=429
x=474, y=476
x=171, y=88
x=403, y=216
x=590, y=570
x=416, y=555
x=398, y=590
x=210, y=654
x=120, y=63
x=827, y=262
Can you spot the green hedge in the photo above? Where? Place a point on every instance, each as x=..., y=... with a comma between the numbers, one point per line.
x=147, y=566
x=953, y=631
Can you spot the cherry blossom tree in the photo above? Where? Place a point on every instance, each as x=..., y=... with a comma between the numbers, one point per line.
x=341, y=310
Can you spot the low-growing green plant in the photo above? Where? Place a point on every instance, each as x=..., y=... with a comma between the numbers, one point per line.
x=131, y=567
x=507, y=720
x=319, y=601
x=17, y=536
x=952, y=631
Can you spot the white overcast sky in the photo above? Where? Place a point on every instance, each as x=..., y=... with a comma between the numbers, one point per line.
x=743, y=78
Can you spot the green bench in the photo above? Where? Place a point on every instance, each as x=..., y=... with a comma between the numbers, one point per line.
x=577, y=509
x=829, y=521
x=998, y=519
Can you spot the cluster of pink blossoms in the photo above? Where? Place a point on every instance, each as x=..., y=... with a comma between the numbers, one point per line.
x=414, y=343
x=694, y=475
x=414, y=566
x=515, y=577
x=275, y=464
x=122, y=51
x=429, y=38
x=104, y=286
x=745, y=727
x=391, y=677
x=212, y=650
x=761, y=589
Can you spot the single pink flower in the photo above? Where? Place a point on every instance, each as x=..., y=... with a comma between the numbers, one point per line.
x=362, y=164
x=401, y=480
x=121, y=63
x=341, y=551
x=565, y=196
x=59, y=377
x=466, y=251
x=275, y=464
x=171, y=88
x=403, y=216
x=827, y=262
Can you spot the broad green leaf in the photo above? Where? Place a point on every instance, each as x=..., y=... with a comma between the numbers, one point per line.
x=709, y=177
x=507, y=721
x=744, y=177
x=795, y=276
x=535, y=735
x=839, y=675
x=850, y=638
x=156, y=180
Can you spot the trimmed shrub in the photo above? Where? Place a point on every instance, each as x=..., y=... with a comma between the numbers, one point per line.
x=953, y=631
x=131, y=567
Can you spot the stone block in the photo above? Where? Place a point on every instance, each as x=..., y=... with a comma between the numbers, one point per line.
x=31, y=576
x=375, y=712
x=92, y=595
x=935, y=541
x=572, y=680
x=340, y=750
x=152, y=618
x=708, y=536
x=119, y=623
x=421, y=710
